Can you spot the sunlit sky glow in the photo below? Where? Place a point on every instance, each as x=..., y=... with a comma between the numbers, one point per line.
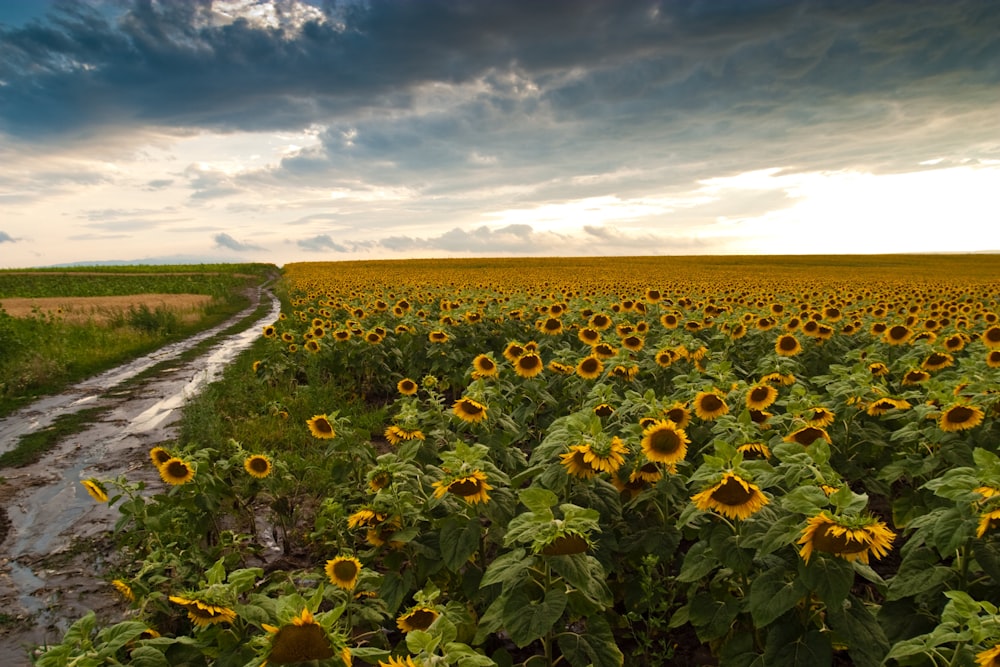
x=294, y=130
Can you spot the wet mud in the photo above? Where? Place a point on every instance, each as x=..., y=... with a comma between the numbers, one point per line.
x=54, y=538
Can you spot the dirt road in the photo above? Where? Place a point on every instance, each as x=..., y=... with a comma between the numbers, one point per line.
x=50, y=572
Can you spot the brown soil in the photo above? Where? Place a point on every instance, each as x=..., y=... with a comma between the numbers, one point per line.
x=100, y=309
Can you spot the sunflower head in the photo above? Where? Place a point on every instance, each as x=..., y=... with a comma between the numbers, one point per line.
x=664, y=441
x=761, y=396
x=469, y=410
x=343, y=571
x=321, y=427
x=709, y=404
x=850, y=538
x=419, y=617
x=176, y=471
x=960, y=417
x=471, y=487
x=257, y=465
x=159, y=456
x=95, y=489
x=732, y=496
x=528, y=365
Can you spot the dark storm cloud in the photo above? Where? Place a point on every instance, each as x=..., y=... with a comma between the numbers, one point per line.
x=635, y=61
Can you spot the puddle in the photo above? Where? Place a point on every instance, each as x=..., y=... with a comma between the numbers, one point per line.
x=48, y=509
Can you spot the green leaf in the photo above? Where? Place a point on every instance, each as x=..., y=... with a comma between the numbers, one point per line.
x=491, y=620
x=829, y=577
x=771, y=595
x=855, y=625
x=918, y=573
x=147, y=656
x=526, y=620
x=217, y=573
x=507, y=569
x=80, y=631
x=780, y=533
x=244, y=579
x=594, y=647
x=538, y=500
x=808, y=500
x=789, y=646
x=584, y=573
x=465, y=656
x=988, y=557
x=112, y=638
x=459, y=540
x=698, y=563
x=421, y=640
x=712, y=618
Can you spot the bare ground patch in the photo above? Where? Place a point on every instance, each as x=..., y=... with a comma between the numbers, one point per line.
x=101, y=309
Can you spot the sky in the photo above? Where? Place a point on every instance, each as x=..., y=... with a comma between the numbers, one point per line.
x=290, y=130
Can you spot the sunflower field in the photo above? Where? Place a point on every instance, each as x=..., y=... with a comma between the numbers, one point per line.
x=738, y=461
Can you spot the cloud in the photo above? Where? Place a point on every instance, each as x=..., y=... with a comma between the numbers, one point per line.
x=7, y=238
x=321, y=243
x=223, y=240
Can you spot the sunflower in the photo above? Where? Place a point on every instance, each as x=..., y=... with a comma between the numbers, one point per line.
x=258, y=465
x=397, y=662
x=589, y=335
x=665, y=357
x=761, y=396
x=959, y=417
x=472, y=487
x=469, y=410
x=176, y=471
x=993, y=358
x=778, y=378
x=395, y=435
x=600, y=321
x=560, y=368
x=885, y=404
x=708, y=405
x=604, y=410
x=991, y=337
x=590, y=368
x=302, y=640
x=437, y=337
x=513, y=351
x=669, y=320
x=159, y=456
x=320, y=427
x=897, y=335
x=678, y=414
x=821, y=417
x=850, y=539
x=633, y=343
x=754, y=450
x=988, y=521
x=732, y=496
x=665, y=442
x=483, y=366
x=915, y=377
x=269, y=331
x=312, y=345
x=204, y=614
x=343, y=571
x=787, y=345
x=551, y=326
x=124, y=590
x=365, y=518
x=648, y=472
x=528, y=365
x=605, y=456
x=416, y=618
x=379, y=479
x=407, y=387
x=989, y=658
x=807, y=435
x=575, y=462
x=95, y=489
x=935, y=361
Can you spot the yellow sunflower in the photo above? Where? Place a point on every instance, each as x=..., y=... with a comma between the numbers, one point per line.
x=258, y=465
x=732, y=496
x=302, y=640
x=176, y=471
x=819, y=416
x=398, y=662
x=395, y=435
x=959, y=417
x=576, y=464
x=204, y=614
x=589, y=335
x=484, y=366
x=590, y=368
x=472, y=487
x=469, y=410
x=513, y=351
x=437, y=337
x=913, y=377
x=885, y=404
x=407, y=387
x=343, y=571
x=897, y=335
x=754, y=450
x=935, y=361
x=678, y=414
x=416, y=618
x=528, y=365
x=761, y=396
x=124, y=590
x=993, y=358
x=807, y=435
x=95, y=489
x=605, y=456
x=320, y=427
x=991, y=337
x=989, y=658
x=365, y=518
x=709, y=404
x=159, y=456
x=787, y=345
x=850, y=539
x=664, y=441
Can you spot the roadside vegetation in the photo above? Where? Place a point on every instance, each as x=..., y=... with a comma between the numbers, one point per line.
x=583, y=462
x=89, y=331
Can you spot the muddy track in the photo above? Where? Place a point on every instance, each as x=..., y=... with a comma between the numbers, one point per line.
x=53, y=536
